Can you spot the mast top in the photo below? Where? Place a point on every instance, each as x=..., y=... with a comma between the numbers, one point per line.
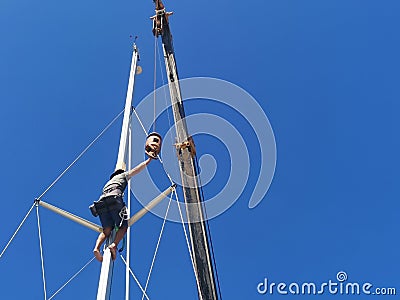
x=159, y=4
x=160, y=18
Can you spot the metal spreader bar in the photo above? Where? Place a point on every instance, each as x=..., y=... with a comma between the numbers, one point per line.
x=98, y=228
x=70, y=216
x=150, y=205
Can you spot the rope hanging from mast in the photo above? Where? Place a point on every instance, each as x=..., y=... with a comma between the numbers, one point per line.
x=72, y=278
x=134, y=277
x=157, y=246
x=81, y=154
x=16, y=231
x=155, y=82
x=41, y=253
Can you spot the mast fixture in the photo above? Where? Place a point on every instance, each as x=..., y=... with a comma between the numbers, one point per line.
x=188, y=144
x=160, y=18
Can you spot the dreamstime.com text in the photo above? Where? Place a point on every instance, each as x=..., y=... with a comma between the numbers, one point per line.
x=340, y=286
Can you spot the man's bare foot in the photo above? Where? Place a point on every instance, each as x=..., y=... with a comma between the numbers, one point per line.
x=98, y=255
x=113, y=250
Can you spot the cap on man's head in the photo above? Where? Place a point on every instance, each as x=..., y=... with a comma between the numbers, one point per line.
x=116, y=172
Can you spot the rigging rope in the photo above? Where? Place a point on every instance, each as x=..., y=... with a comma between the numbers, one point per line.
x=155, y=82
x=72, y=278
x=154, y=120
x=158, y=244
x=140, y=121
x=15, y=233
x=80, y=155
x=176, y=194
x=127, y=237
x=41, y=252
x=165, y=92
x=166, y=102
x=134, y=277
x=187, y=241
x=145, y=131
x=208, y=229
x=111, y=280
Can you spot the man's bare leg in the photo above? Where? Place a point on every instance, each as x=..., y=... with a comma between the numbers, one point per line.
x=100, y=240
x=118, y=237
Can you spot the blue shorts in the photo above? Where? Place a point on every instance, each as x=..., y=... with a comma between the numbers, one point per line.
x=111, y=216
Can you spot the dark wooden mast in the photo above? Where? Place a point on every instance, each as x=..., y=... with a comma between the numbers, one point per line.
x=186, y=152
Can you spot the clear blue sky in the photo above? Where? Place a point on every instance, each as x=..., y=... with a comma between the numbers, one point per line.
x=326, y=73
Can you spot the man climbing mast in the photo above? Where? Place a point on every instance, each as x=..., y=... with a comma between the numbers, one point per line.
x=111, y=207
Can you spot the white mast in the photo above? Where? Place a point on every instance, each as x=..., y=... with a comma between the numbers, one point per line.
x=107, y=264
x=121, y=160
x=128, y=232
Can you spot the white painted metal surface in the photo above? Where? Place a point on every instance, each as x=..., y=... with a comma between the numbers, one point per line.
x=128, y=105
x=106, y=275
x=72, y=217
x=149, y=206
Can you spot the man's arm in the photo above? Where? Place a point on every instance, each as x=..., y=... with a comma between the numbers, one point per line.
x=140, y=167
